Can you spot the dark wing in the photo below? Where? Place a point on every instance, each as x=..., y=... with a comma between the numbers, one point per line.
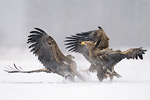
x=134, y=53
x=111, y=57
x=73, y=42
x=45, y=47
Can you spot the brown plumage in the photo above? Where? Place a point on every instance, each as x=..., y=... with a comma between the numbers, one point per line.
x=73, y=42
x=46, y=48
x=105, y=60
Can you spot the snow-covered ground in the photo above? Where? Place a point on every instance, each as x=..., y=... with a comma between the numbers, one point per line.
x=133, y=85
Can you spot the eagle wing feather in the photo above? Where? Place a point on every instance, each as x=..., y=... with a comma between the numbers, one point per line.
x=45, y=47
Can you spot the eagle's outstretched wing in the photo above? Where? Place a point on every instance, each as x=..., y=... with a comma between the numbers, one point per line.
x=45, y=47
x=73, y=42
x=134, y=53
x=111, y=57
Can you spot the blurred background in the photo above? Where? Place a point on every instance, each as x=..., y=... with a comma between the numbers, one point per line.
x=126, y=22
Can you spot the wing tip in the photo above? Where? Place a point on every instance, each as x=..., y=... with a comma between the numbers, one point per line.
x=38, y=30
x=100, y=27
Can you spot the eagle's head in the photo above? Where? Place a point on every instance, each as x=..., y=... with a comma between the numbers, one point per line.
x=88, y=44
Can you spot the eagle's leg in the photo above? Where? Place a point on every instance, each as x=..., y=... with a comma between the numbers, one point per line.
x=100, y=73
x=92, y=68
x=111, y=73
x=116, y=74
x=111, y=77
x=100, y=76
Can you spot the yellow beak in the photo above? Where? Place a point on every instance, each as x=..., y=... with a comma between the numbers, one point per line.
x=82, y=43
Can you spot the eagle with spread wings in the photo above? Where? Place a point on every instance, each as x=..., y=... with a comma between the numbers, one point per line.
x=93, y=45
x=106, y=59
x=73, y=43
x=46, y=48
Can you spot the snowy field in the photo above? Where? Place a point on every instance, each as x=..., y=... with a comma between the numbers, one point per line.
x=133, y=85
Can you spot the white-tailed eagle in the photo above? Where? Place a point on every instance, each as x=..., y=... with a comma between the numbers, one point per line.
x=48, y=53
x=99, y=36
x=105, y=60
